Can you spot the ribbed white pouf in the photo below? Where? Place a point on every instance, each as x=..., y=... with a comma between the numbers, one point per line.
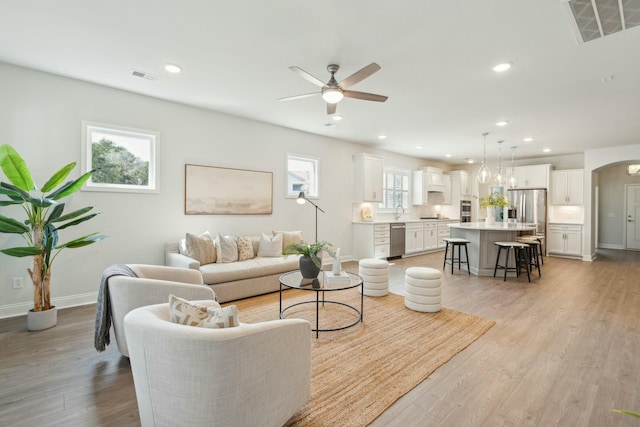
x=423, y=289
x=375, y=276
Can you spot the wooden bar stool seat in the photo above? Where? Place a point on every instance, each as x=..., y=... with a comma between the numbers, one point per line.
x=520, y=255
x=456, y=242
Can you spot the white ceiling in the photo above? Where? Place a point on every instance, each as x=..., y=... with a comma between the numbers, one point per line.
x=436, y=59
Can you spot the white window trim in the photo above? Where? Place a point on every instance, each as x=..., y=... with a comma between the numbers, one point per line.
x=409, y=189
x=291, y=195
x=86, y=160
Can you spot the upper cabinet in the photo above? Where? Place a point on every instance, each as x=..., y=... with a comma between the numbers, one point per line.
x=446, y=194
x=428, y=186
x=567, y=187
x=460, y=186
x=534, y=176
x=368, y=178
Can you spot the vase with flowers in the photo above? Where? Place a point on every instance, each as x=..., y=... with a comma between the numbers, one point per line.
x=491, y=202
x=311, y=259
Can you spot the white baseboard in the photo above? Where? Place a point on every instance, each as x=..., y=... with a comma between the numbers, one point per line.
x=610, y=246
x=21, y=308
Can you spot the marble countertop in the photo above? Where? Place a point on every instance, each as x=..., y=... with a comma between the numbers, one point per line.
x=498, y=226
x=406, y=221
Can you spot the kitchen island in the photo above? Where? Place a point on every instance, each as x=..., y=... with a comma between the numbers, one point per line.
x=482, y=251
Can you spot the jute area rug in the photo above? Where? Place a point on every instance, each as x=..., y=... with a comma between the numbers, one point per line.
x=359, y=372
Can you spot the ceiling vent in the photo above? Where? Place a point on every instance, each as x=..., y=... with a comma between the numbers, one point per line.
x=592, y=19
x=144, y=75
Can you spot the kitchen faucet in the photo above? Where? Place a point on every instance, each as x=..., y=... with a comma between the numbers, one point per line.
x=398, y=214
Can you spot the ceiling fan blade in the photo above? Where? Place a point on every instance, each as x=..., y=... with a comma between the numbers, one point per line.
x=308, y=77
x=306, y=95
x=331, y=108
x=364, y=95
x=360, y=75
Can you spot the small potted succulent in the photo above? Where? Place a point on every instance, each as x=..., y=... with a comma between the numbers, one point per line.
x=44, y=218
x=311, y=259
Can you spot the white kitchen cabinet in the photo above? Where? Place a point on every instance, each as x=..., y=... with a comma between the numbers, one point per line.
x=430, y=236
x=368, y=178
x=567, y=187
x=414, y=238
x=371, y=240
x=428, y=186
x=564, y=239
x=443, y=233
x=533, y=176
x=460, y=186
x=446, y=194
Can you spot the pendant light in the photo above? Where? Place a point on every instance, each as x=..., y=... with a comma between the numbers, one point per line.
x=484, y=174
x=513, y=179
x=500, y=177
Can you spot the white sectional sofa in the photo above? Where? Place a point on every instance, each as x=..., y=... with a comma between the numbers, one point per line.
x=237, y=279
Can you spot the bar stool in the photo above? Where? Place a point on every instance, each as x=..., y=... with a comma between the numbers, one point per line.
x=534, y=251
x=456, y=242
x=520, y=255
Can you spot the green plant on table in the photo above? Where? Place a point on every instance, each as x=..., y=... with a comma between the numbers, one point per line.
x=44, y=218
x=310, y=249
x=624, y=411
x=493, y=200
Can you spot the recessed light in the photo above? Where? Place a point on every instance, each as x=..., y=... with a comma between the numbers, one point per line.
x=337, y=118
x=504, y=66
x=469, y=161
x=419, y=147
x=546, y=150
x=528, y=139
x=447, y=155
x=502, y=123
x=382, y=136
x=172, y=68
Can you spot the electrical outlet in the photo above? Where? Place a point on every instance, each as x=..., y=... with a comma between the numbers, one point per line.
x=17, y=283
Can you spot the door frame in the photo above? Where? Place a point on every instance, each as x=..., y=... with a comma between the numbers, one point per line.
x=625, y=222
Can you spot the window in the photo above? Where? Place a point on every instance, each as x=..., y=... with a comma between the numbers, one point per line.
x=123, y=159
x=395, y=189
x=633, y=170
x=302, y=175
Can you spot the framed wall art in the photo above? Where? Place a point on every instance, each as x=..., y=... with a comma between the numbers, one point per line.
x=211, y=190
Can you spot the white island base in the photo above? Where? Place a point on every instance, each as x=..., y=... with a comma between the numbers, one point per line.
x=481, y=237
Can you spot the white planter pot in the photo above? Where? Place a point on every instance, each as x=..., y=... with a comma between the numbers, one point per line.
x=39, y=320
x=491, y=216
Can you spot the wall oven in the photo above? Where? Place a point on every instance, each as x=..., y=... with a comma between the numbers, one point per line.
x=465, y=210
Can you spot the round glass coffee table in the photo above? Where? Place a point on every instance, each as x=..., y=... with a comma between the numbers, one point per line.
x=319, y=285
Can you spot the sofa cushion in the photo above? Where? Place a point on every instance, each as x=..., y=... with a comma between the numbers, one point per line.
x=270, y=246
x=227, y=248
x=225, y=317
x=245, y=248
x=256, y=267
x=187, y=313
x=200, y=248
x=289, y=237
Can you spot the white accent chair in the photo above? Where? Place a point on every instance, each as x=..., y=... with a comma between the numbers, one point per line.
x=251, y=375
x=153, y=285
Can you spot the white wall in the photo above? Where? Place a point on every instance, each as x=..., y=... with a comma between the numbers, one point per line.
x=40, y=116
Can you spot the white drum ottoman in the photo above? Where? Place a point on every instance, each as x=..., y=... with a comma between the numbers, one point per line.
x=423, y=289
x=375, y=277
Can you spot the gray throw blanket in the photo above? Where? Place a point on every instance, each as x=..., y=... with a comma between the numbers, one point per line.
x=103, y=306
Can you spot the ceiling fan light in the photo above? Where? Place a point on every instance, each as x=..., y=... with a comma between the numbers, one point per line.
x=332, y=95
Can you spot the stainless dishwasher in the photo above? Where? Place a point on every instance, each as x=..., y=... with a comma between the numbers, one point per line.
x=397, y=239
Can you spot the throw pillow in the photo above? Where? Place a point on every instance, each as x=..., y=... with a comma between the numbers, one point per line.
x=270, y=246
x=184, y=312
x=226, y=317
x=200, y=248
x=245, y=248
x=227, y=248
x=289, y=237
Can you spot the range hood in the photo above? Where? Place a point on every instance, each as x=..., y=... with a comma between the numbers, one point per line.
x=433, y=180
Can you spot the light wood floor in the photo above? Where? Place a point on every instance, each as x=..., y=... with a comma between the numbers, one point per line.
x=564, y=351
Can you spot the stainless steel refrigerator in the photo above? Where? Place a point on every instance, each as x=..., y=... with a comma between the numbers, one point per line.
x=530, y=207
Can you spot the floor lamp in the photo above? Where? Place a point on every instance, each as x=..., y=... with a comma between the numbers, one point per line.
x=302, y=200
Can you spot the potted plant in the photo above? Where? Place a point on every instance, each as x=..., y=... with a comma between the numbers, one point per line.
x=311, y=259
x=44, y=219
x=492, y=201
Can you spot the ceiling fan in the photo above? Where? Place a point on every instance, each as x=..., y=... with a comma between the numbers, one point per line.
x=332, y=91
